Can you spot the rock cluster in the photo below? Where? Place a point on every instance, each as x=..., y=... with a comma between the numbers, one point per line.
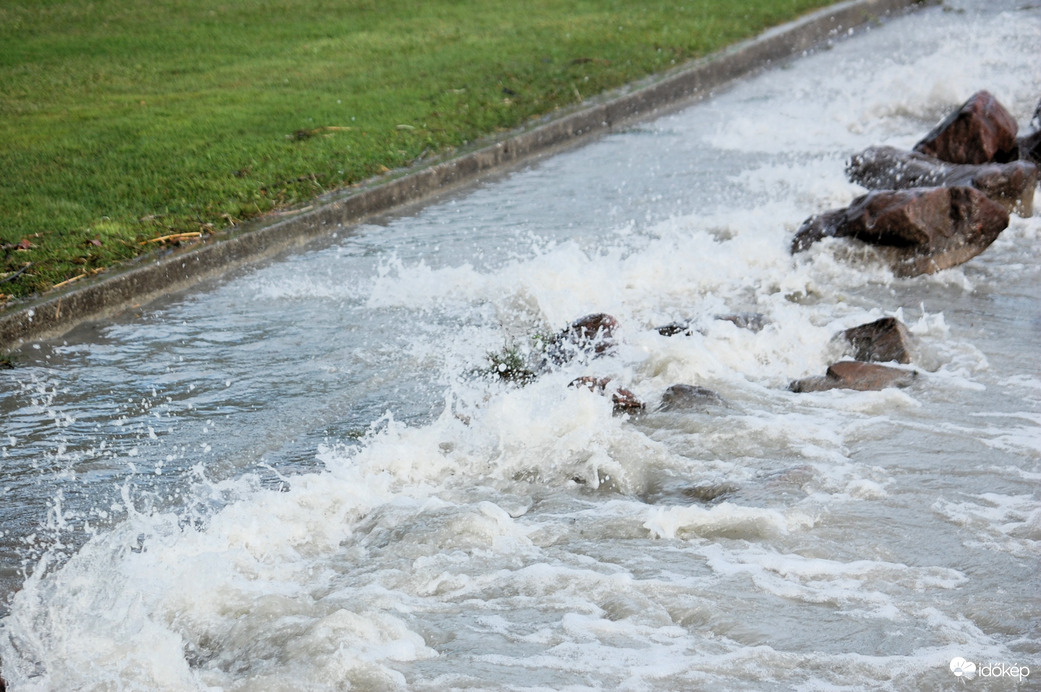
x=884, y=340
x=944, y=202
x=589, y=337
x=928, y=209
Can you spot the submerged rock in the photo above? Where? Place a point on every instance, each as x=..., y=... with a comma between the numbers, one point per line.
x=674, y=328
x=883, y=340
x=979, y=132
x=853, y=374
x=623, y=399
x=919, y=231
x=688, y=396
x=752, y=321
x=887, y=168
x=710, y=493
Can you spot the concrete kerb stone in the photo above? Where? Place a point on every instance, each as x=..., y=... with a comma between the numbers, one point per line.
x=150, y=278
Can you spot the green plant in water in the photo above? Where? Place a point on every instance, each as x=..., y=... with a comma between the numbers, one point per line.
x=510, y=365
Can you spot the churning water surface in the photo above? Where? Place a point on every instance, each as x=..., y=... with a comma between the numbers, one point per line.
x=301, y=478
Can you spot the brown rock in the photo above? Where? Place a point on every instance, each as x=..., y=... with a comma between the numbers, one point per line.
x=688, y=396
x=591, y=335
x=883, y=340
x=978, y=132
x=887, y=168
x=623, y=399
x=919, y=231
x=1010, y=184
x=852, y=374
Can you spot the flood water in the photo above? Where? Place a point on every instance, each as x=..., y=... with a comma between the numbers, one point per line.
x=304, y=478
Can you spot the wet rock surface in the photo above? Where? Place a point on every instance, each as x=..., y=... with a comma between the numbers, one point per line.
x=592, y=335
x=982, y=130
x=883, y=340
x=686, y=397
x=674, y=328
x=752, y=321
x=857, y=375
x=887, y=168
x=1030, y=148
x=623, y=399
x=1030, y=144
x=709, y=493
x=921, y=230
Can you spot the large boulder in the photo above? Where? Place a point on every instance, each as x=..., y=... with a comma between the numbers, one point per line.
x=883, y=340
x=887, y=168
x=918, y=231
x=853, y=374
x=978, y=132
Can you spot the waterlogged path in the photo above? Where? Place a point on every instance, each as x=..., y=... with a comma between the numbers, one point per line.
x=299, y=479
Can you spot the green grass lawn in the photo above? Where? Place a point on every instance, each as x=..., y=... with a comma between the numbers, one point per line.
x=125, y=122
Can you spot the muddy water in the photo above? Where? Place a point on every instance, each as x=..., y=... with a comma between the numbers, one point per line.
x=303, y=477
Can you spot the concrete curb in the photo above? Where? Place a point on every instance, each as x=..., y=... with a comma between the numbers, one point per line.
x=150, y=278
